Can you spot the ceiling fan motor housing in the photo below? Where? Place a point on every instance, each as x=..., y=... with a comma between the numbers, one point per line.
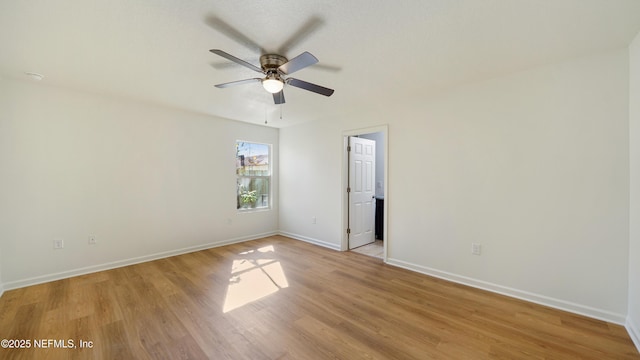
x=271, y=62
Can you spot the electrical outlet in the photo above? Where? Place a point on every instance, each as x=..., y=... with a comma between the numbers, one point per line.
x=58, y=244
x=475, y=249
x=313, y=220
x=92, y=239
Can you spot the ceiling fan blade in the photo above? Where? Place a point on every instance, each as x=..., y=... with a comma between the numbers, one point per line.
x=236, y=60
x=310, y=87
x=325, y=67
x=239, y=82
x=303, y=32
x=297, y=63
x=223, y=65
x=278, y=98
x=228, y=30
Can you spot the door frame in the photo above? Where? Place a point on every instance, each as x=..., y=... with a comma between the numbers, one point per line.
x=384, y=129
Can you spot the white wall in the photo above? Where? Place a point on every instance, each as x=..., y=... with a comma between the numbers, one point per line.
x=308, y=183
x=145, y=180
x=534, y=166
x=633, y=319
x=1, y=282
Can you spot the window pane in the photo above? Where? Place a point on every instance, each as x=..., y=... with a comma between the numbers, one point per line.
x=252, y=159
x=253, y=192
x=254, y=175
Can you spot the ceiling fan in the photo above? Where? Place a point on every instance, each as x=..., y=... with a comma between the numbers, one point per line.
x=276, y=69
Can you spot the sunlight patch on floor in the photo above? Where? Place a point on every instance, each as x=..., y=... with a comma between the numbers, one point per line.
x=254, y=276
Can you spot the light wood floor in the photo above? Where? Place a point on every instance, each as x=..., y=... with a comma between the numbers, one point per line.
x=316, y=304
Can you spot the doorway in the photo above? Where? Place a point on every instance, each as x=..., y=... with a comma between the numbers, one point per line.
x=365, y=204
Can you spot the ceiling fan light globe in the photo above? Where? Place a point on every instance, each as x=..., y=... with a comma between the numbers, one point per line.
x=272, y=85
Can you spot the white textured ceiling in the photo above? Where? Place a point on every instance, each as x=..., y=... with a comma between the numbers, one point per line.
x=370, y=52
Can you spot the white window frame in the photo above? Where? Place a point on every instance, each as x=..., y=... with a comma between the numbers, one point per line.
x=269, y=177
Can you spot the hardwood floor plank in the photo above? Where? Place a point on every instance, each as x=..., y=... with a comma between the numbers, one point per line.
x=115, y=343
x=278, y=298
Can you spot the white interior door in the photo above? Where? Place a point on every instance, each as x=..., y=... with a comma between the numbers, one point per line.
x=362, y=170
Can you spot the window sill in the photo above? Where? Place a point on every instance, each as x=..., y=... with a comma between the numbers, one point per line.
x=253, y=210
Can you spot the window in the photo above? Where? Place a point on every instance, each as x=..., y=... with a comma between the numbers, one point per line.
x=253, y=171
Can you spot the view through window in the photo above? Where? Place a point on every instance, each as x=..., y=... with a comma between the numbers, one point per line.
x=253, y=171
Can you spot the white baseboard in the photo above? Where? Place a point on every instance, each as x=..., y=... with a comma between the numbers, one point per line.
x=515, y=293
x=311, y=240
x=634, y=332
x=126, y=262
x=1, y=289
